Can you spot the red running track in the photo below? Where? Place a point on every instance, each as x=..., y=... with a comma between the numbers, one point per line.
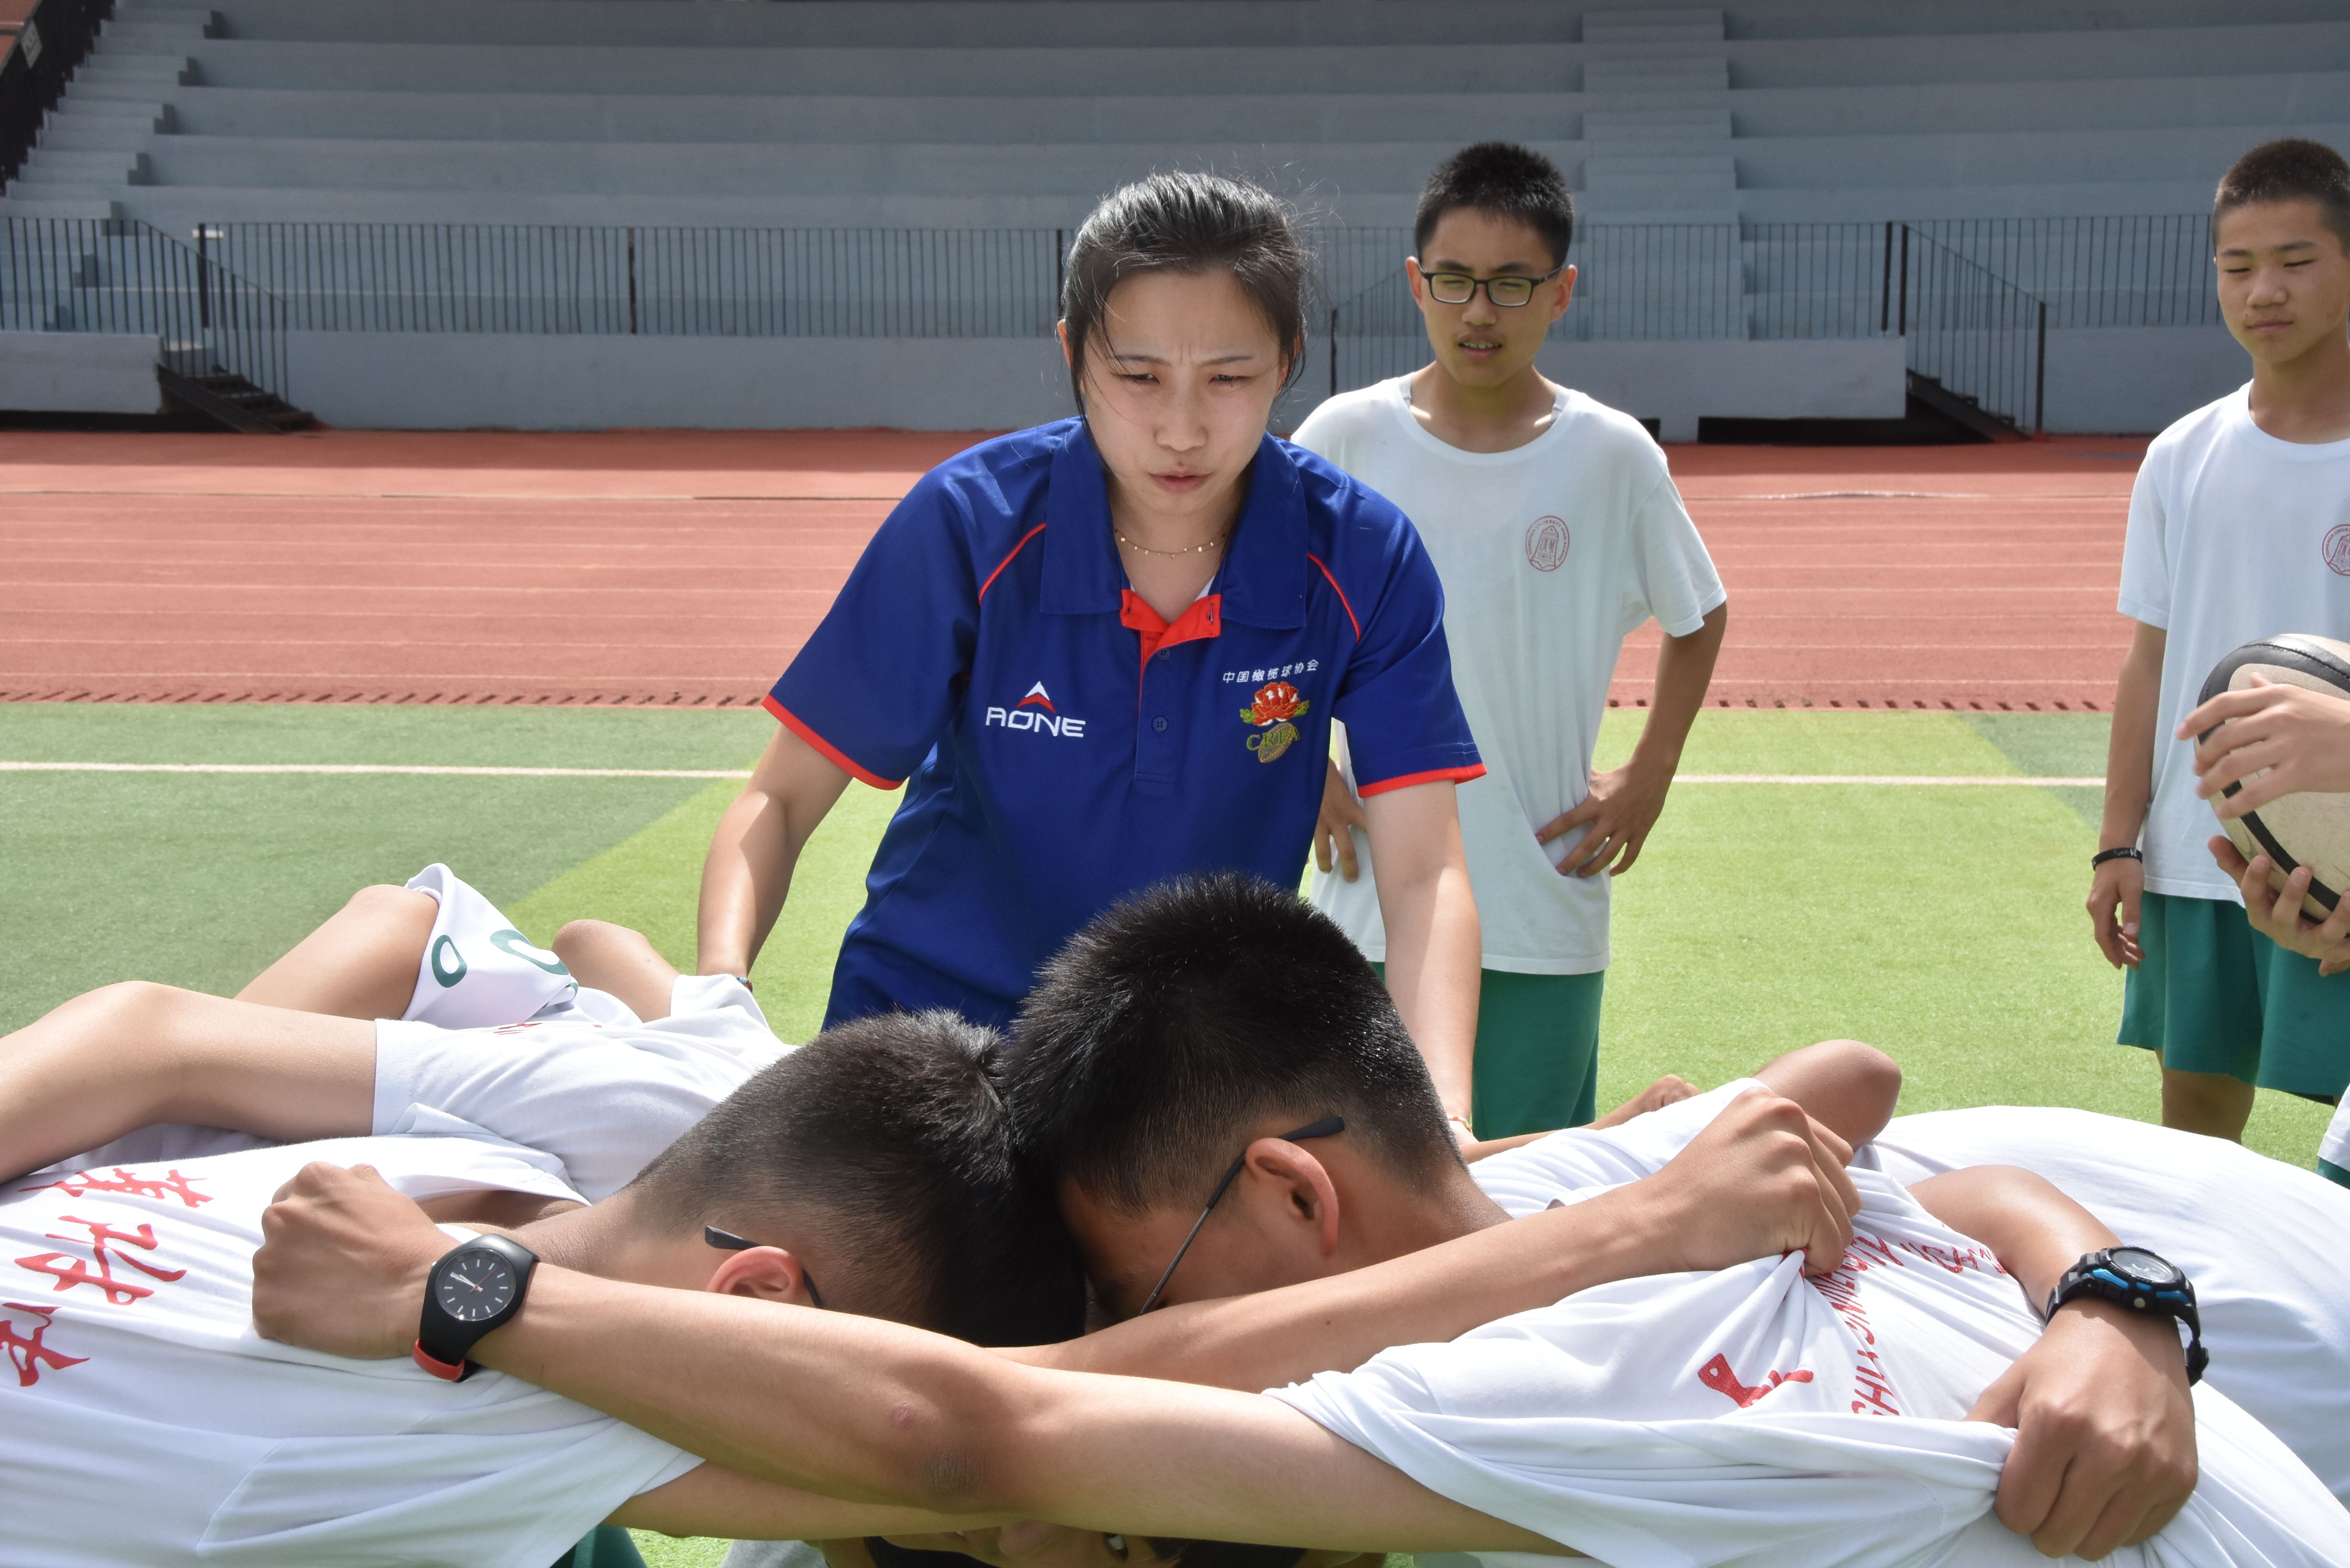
x=686, y=567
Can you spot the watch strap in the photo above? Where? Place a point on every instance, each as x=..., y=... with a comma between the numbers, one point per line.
x=447, y=1371
x=2092, y=1278
x=441, y=1341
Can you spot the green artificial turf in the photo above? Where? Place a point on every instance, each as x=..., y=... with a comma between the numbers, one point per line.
x=1942, y=923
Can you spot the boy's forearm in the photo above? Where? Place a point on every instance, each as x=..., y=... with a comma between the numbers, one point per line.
x=2030, y=1226
x=133, y=1054
x=1684, y=672
x=2129, y=749
x=1335, y=1325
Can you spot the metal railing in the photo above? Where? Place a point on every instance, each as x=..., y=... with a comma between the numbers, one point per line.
x=118, y=275
x=656, y=281
x=56, y=37
x=1974, y=331
x=1973, y=300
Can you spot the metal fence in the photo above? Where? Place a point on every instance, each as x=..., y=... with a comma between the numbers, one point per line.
x=656, y=281
x=1973, y=300
x=118, y=275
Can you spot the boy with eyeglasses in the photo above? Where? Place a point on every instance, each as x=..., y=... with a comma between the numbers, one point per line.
x=1557, y=530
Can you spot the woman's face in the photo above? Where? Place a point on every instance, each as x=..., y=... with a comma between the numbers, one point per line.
x=1180, y=379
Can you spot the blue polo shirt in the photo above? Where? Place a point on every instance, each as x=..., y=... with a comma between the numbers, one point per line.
x=1064, y=744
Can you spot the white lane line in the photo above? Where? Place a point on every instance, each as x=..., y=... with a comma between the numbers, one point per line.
x=2009, y=780
x=372, y=768
x=1997, y=780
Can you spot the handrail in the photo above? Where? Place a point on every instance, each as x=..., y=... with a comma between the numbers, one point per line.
x=118, y=275
x=55, y=39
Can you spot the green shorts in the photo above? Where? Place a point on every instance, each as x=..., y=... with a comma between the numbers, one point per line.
x=2212, y=995
x=1537, y=1051
x=2334, y=1173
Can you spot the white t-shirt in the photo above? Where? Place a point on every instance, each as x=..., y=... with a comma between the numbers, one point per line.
x=2267, y=1246
x=1753, y=1417
x=144, y=1421
x=1551, y=554
x=2334, y=1149
x=2234, y=535
x=499, y=1035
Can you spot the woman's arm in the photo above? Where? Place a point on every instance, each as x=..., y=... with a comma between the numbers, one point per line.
x=1434, y=951
x=132, y=1054
x=749, y=868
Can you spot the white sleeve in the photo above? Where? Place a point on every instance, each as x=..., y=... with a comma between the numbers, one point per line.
x=2146, y=547
x=1678, y=585
x=602, y=1101
x=1572, y=1165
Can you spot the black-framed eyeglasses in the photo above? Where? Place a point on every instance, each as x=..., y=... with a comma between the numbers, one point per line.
x=727, y=1241
x=1509, y=291
x=1323, y=1129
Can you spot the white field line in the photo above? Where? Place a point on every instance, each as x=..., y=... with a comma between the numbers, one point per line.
x=1937, y=780
x=372, y=768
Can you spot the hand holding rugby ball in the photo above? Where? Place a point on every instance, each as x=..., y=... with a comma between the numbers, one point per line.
x=2307, y=828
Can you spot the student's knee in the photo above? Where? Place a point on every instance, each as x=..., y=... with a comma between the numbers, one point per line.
x=392, y=903
x=579, y=938
x=136, y=1007
x=1868, y=1070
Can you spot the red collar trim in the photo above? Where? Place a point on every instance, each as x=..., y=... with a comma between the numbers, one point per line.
x=1203, y=618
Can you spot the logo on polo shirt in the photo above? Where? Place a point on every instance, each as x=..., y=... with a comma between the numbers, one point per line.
x=1034, y=712
x=1277, y=702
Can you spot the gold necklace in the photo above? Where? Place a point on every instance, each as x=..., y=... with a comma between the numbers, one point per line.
x=1186, y=550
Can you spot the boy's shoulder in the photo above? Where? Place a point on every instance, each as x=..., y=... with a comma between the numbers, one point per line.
x=1590, y=427
x=2214, y=421
x=1348, y=416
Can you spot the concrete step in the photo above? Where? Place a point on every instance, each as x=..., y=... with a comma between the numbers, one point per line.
x=959, y=23
x=1642, y=78
x=148, y=33
x=122, y=137
x=49, y=166
x=207, y=111
x=1690, y=25
x=2105, y=54
x=1708, y=173
x=143, y=74
x=908, y=71
x=68, y=208
x=1944, y=107
x=749, y=169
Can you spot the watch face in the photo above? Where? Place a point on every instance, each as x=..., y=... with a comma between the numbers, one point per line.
x=475, y=1287
x=2141, y=1267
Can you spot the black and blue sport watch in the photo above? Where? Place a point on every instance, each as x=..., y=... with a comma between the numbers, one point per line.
x=2142, y=1282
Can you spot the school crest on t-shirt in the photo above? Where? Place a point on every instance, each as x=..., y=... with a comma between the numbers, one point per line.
x=2336, y=549
x=1546, y=542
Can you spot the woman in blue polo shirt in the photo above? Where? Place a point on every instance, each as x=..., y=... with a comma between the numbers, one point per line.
x=1107, y=651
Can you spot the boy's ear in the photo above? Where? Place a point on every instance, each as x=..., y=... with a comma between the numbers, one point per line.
x=762, y=1273
x=1293, y=1190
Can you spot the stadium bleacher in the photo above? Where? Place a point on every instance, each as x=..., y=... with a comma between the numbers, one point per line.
x=1017, y=114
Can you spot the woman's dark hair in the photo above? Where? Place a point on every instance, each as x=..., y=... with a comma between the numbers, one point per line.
x=1505, y=180
x=1189, y=224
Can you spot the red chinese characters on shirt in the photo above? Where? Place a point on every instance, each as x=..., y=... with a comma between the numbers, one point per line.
x=117, y=1263
x=26, y=1351
x=1717, y=1376
x=170, y=1184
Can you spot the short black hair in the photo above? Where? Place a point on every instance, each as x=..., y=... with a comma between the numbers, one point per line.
x=1186, y=222
x=2293, y=170
x=889, y=1136
x=1176, y=1024
x=1507, y=181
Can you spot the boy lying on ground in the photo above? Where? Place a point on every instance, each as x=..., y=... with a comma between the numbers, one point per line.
x=1650, y=1437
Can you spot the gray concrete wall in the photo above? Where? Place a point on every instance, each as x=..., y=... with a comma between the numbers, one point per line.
x=78, y=373
x=461, y=382
x=2133, y=380
x=436, y=381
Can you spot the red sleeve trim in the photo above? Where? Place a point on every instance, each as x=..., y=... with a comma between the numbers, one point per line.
x=830, y=753
x=1008, y=560
x=1458, y=775
x=1340, y=592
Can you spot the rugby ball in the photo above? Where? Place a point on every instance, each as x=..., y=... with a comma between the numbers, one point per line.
x=2305, y=830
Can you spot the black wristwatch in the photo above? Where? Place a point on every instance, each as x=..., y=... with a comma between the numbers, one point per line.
x=473, y=1289
x=2134, y=1278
